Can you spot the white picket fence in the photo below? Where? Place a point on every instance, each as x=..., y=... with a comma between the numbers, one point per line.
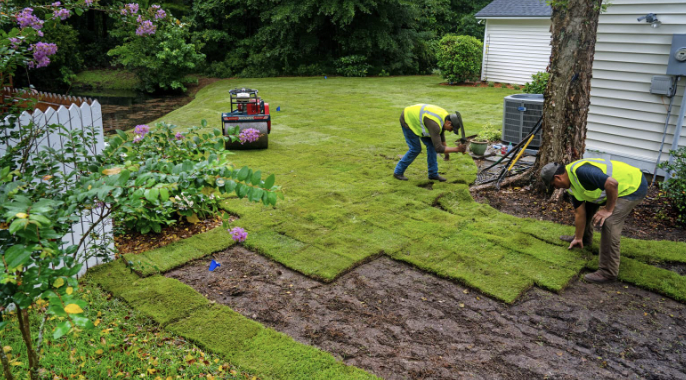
x=73, y=118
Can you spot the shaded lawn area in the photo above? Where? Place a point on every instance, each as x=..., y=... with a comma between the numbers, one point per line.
x=333, y=148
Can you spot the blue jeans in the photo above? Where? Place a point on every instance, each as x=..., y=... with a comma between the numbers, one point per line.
x=413, y=142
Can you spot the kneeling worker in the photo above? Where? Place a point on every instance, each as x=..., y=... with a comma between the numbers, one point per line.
x=426, y=123
x=595, y=182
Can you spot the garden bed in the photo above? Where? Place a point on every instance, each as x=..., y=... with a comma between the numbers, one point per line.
x=400, y=323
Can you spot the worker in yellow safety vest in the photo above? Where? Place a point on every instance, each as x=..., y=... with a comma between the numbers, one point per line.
x=603, y=194
x=426, y=123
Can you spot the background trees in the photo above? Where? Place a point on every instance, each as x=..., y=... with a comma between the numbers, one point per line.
x=269, y=38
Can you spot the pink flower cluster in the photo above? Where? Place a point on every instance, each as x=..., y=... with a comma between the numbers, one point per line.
x=146, y=28
x=140, y=131
x=131, y=8
x=238, y=234
x=179, y=136
x=27, y=19
x=89, y=3
x=62, y=14
x=41, y=51
x=248, y=135
x=159, y=12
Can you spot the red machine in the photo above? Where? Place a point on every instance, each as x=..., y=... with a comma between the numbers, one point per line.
x=247, y=111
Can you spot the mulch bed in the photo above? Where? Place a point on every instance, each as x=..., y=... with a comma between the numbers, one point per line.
x=481, y=84
x=652, y=219
x=134, y=242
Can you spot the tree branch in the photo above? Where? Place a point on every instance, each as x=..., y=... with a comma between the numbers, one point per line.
x=40, y=334
x=92, y=227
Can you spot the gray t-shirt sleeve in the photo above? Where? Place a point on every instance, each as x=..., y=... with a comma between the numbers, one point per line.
x=437, y=135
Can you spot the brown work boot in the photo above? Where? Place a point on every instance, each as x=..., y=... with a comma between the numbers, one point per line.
x=598, y=278
x=400, y=177
x=438, y=178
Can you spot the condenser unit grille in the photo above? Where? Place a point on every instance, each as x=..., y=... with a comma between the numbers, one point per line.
x=520, y=115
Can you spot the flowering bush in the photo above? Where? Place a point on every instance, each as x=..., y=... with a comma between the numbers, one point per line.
x=184, y=176
x=164, y=56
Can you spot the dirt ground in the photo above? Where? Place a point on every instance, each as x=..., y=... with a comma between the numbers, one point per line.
x=400, y=323
x=652, y=219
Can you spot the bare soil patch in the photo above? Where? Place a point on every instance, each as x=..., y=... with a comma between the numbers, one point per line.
x=400, y=323
x=652, y=219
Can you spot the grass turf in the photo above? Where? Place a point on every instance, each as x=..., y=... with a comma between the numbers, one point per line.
x=333, y=147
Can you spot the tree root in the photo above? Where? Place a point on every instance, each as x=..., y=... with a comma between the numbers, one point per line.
x=521, y=179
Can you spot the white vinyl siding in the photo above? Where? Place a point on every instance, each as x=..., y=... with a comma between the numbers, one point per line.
x=626, y=121
x=515, y=49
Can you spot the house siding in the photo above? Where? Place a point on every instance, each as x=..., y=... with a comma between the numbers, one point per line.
x=515, y=49
x=626, y=121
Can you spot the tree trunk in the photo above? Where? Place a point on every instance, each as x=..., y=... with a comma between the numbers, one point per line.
x=567, y=96
x=25, y=328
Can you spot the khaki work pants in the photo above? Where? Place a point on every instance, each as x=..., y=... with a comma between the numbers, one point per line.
x=611, y=232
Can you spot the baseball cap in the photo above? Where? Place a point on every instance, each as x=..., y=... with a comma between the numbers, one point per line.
x=548, y=172
x=456, y=121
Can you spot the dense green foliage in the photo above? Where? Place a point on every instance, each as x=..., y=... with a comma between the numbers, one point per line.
x=161, y=60
x=459, y=58
x=262, y=38
x=164, y=175
x=675, y=186
x=538, y=83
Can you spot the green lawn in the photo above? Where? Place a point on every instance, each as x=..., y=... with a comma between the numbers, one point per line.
x=333, y=148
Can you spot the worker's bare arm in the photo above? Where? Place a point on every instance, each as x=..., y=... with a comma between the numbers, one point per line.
x=580, y=226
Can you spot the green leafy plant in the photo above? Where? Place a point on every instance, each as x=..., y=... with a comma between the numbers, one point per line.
x=384, y=73
x=675, y=186
x=538, y=83
x=489, y=132
x=352, y=66
x=160, y=177
x=491, y=84
x=516, y=87
x=459, y=58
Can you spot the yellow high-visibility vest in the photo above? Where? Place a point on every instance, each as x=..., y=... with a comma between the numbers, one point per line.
x=414, y=117
x=628, y=177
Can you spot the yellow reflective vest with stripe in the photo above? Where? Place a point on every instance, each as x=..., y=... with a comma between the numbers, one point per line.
x=414, y=117
x=628, y=177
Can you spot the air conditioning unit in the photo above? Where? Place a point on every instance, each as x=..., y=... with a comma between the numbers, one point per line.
x=520, y=115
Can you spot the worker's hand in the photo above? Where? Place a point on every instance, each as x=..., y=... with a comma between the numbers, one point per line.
x=576, y=242
x=462, y=148
x=600, y=216
x=446, y=156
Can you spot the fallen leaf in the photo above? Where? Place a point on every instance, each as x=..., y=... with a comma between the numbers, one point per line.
x=7, y=349
x=73, y=308
x=111, y=171
x=99, y=352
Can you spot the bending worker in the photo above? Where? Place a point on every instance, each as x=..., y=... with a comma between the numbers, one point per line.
x=593, y=183
x=427, y=123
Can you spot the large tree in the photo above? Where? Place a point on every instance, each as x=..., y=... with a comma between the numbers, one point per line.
x=567, y=96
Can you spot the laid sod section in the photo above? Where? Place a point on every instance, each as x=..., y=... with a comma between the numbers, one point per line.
x=180, y=252
x=245, y=343
x=333, y=148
